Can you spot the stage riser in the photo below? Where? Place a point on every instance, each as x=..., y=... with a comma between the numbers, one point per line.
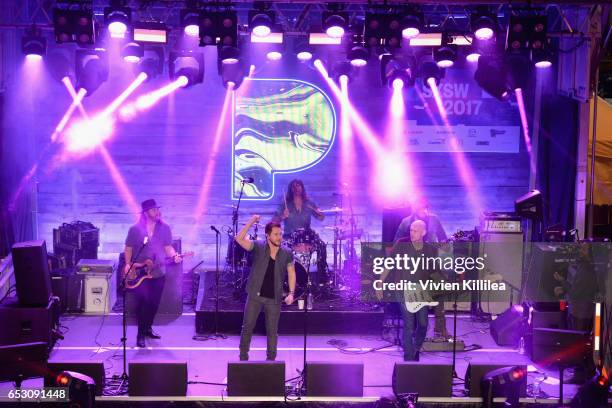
x=329, y=322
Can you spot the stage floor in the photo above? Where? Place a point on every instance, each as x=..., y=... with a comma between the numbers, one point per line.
x=98, y=338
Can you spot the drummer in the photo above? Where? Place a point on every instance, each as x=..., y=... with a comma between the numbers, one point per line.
x=296, y=211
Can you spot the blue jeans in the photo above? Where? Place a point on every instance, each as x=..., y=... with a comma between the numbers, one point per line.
x=415, y=330
x=252, y=308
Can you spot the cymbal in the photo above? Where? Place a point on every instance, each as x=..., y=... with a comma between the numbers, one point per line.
x=333, y=210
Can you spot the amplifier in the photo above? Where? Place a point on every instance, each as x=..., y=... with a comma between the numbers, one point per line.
x=100, y=293
x=78, y=234
x=95, y=266
x=71, y=255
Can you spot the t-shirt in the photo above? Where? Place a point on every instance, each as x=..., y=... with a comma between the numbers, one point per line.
x=261, y=257
x=267, y=286
x=154, y=249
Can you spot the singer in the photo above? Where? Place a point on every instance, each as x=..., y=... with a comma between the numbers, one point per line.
x=151, y=239
x=296, y=212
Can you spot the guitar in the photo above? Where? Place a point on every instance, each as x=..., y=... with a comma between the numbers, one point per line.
x=142, y=270
x=418, y=299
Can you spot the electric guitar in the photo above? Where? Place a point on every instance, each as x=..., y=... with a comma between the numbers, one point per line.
x=142, y=270
x=418, y=299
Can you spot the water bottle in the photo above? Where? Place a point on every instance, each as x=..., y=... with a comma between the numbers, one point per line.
x=521, y=346
x=309, y=301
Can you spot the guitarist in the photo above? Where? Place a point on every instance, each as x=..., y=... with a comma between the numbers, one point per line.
x=415, y=324
x=153, y=238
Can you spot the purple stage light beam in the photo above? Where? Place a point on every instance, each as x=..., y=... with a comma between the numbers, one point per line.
x=523, y=113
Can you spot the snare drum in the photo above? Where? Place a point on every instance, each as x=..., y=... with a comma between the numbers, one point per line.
x=303, y=241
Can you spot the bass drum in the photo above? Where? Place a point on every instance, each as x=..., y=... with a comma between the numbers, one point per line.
x=301, y=279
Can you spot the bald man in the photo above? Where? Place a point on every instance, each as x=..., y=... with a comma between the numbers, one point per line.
x=415, y=324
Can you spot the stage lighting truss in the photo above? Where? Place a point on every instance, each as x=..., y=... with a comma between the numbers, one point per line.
x=74, y=26
x=483, y=23
x=190, y=22
x=132, y=52
x=335, y=23
x=261, y=22
x=186, y=63
x=152, y=62
x=33, y=44
x=117, y=18
x=400, y=68
x=91, y=69
x=218, y=28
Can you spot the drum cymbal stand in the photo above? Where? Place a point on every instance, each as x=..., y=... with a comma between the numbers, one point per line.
x=235, y=228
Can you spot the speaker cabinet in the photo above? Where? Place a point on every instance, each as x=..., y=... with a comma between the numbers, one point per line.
x=26, y=324
x=428, y=380
x=327, y=379
x=476, y=371
x=256, y=379
x=506, y=330
x=23, y=361
x=32, y=277
x=552, y=347
x=93, y=369
x=158, y=379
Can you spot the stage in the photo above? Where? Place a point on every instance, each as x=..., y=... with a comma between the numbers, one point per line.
x=96, y=338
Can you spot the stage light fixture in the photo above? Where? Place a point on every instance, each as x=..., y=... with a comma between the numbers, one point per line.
x=117, y=18
x=374, y=30
x=335, y=23
x=261, y=22
x=517, y=37
x=218, y=28
x=541, y=58
x=393, y=34
x=152, y=32
x=91, y=69
x=474, y=50
x=230, y=67
x=358, y=56
x=33, y=44
x=60, y=64
x=594, y=393
x=503, y=382
x=81, y=388
x=187, y=63
x=132, y=52
x=342, y=68
x=303, y=51
x=63, y=25
x=491, y=76
x=412, y=25
x=395, y=70
x=190, y=21
x=483, y=23
x=274, y=55
x=429, y=69
x=151, y=63
x=445, y=56
x=538, y=34
x=228, y=55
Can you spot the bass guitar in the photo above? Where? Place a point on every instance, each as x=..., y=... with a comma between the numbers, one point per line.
x=142, y=270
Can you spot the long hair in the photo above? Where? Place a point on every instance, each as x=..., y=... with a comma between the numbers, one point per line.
x=289, y=194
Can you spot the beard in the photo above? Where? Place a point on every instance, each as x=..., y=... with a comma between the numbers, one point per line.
x=274, y=243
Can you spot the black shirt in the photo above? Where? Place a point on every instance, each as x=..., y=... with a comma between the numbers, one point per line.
x=267, y=286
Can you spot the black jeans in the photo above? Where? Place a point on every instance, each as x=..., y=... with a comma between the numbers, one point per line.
x=253, y=307
x=415, y=330
x=148, y=296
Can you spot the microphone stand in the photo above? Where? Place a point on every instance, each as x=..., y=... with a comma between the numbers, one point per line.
x=235, y=230
x=307, y=292
x=124, y=375
x=216, y=334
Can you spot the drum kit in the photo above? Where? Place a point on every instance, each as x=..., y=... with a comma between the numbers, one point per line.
x=303, y=244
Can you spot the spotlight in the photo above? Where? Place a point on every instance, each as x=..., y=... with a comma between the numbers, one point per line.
x=343, y=68
x=60, y=64
x=541, y=58
x=429, y=69
x=393, y=35
x=491, y=76
x=274, y=56
x=132, y=52
x=261, y=22
x=303, y=51
x=190, y=19
x=483, y=23
x=374, y=29
x=152, y=62
x=445, y=56
x=33, y=45
x=81, y=388
x=517, y=38
x=506, y=382
x=91, y=70
x=539, y=29
x=84, y=27
x=396, y=72
x=411, y=25
x=358, y=56
x=219, y=28
x=188, y=64
x=335, y=23
x=228, y=55
x=117, y=18
x=154, y=32
x=594, y=393
x=63, y=25
x=474, y=51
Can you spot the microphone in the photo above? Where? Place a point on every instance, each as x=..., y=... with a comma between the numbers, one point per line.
x=212, y=227
x=145, y=241
x=247, y=180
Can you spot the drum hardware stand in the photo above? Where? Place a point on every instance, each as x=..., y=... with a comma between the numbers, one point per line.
x=302, y=376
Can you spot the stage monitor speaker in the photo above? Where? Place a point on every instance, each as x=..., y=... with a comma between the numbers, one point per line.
x=158, y=379
x=327, y=379
x=22, y=361
x=548, y=320
x=507, y=329
x=93, y=369
x=32, y=276
x=256, y=379
x=560, y=347
x=476, y=371
x=426, y=379
x=26, y=324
